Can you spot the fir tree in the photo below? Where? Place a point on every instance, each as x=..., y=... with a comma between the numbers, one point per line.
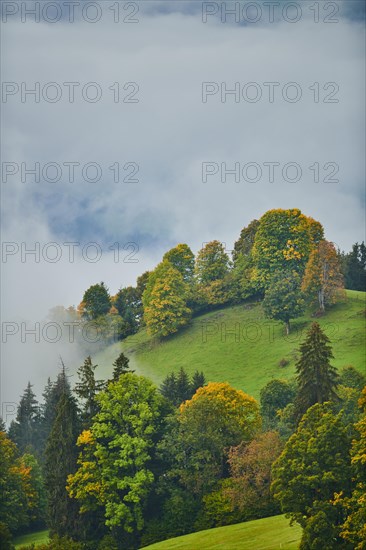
x=183, y=386
x=87, y=388
x=121, y=366
x=24, y=431
x=317, y=379
x=198, y=381
x=60, y=461
x=169, y=388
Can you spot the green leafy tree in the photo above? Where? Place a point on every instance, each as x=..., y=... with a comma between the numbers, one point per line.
x=243, y=246
x=275, y=396
x=164, y=299
x=283, y=242
x=317, y=379
x=182, y=258
x=283, y=300
x=129, y=306
x=323, y=279
x=212, y=263
x=121, y=366
x=96, y=302
x=87, y=389
x=60, y=461
x=352, y=378
x=197, y=443
x=314, y=465
x=114, y=465
x=37, y=499
x=354, y=526
x=13, y=484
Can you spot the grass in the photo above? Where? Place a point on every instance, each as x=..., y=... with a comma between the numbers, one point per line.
x=238, y=345
x=38, y=537
x=262, y=534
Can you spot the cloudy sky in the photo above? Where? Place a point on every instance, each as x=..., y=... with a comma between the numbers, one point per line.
x=139, y=141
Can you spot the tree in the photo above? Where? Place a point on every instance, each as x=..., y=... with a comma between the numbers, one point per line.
x=128, y=304
x=274, y=396
x=248, y=487
x=212, y=263
x=87, y=389
x=164, y=299
x=121, y=367
x=198, y=381
x=25, y=430
x=317, y=379
x=283, y=242
x=351, y=378
x=184, y=388
x=96, y=301
x=14, y=478
x=283, y=300
x=114, y=469
x=37, y=500
x=197, y=443
x=178, y=387
x=354, y=267
x=169, y=389
x=314, y=465
x=323, y=277
x=60, y=461
x=354, y=526
x=243, y=246
x=182, y=258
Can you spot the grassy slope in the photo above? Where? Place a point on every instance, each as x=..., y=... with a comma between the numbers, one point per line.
x=262, y=534
x=38, y=537
x=249, y=359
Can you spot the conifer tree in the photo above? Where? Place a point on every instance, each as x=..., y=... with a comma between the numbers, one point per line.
x=183, y=386
x=87, y=388
x=121, y=366
x=317, y=379
x=60, y=461
x=25, y=430
x=169, y=388
x=198, y=381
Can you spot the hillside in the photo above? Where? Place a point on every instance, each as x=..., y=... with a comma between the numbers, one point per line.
x=238, y=345
x=269, y=533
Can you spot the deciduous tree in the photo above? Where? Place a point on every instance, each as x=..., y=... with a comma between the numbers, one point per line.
x=182, y=258
x=283, y=300
x=314, y=465
x=165, y=309
x=323, y=279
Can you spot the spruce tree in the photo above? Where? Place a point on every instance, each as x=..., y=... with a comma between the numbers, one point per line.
x=183, y=386
x=60, y=461
x=121, y=366
x=25, y=430
x=87, y=388
x=317, y=379
x=51, y=396
x=198, y=381
x=169, y=388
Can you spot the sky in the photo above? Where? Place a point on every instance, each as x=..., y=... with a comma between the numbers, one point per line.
x=163, y=122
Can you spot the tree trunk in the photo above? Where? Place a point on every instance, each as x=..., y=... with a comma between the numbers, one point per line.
x=287, y=325
x=321, y=299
